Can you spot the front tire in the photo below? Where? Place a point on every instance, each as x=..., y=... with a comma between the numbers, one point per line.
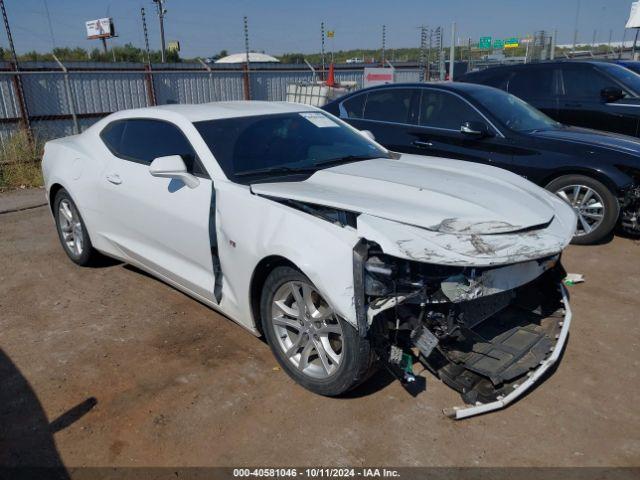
x=596, y=206
x=319, y=350
x=72, y=231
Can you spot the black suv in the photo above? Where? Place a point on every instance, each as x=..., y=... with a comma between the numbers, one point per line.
x=590, y=94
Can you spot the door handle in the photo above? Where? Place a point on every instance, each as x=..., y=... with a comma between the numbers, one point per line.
x=114, y=178
x=422, y=144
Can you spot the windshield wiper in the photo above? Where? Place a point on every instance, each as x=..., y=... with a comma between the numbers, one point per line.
x=274, y=171
x=346, y=159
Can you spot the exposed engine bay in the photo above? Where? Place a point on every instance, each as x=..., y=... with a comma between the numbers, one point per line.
x=482, y=331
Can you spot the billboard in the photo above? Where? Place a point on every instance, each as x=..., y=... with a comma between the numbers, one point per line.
x=100, y=28
x=378, y=76
x=634, y=16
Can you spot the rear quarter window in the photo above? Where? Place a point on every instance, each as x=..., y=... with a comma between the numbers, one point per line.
x=354, y=106
x=112, y=136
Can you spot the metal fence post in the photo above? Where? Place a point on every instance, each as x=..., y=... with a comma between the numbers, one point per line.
x=148, y=79
x=22, y=104
x=245, y=81
x=70, y=101
x=208, y=69
x=314, y=75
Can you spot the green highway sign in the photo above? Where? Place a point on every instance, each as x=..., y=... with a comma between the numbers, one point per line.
x=484, y=43
x=498, y=44
x=512, y=42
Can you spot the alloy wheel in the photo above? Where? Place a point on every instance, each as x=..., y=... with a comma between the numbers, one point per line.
x=307, y=329
x=71, y=227
x=587, y=204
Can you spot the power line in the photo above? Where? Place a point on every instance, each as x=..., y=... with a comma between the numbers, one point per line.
x=46, y=9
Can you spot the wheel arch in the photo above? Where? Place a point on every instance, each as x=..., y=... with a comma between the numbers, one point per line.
x=600, y=176
x=53, y=191
x=258, y=279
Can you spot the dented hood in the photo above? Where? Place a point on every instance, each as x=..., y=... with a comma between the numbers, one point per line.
x=442, y=195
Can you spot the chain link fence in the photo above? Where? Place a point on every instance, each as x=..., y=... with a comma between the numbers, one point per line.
x=52, y=103
x=47, y=100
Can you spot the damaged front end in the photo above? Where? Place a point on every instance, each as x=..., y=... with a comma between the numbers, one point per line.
x=488, y=332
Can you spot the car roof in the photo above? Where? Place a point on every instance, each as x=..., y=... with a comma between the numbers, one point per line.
x=448, y=86
x=219, y=110
x=513, y=66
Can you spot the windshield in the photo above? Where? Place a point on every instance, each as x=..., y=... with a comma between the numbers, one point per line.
x=516, y=114
x=628, y=77
x=248, y=148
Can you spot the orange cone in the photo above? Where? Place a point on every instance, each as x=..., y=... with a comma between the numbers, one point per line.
x=331, y=80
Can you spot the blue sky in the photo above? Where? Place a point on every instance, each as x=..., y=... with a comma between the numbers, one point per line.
x=205, y=27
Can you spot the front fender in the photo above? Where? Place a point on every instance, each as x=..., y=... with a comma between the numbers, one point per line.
x=251, y=228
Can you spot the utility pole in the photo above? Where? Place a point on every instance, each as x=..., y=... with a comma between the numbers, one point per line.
x=552, y=50
x=322, y=48
x=441, y=53
x=17, y=80
x=575, y=30
x=452, y=51
x=384, y=40
x=161, y=13
x=423, y=53
x=146, y=35
x=247, y=82
x=151, y=95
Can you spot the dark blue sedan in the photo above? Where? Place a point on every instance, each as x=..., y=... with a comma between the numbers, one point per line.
x=597, y=173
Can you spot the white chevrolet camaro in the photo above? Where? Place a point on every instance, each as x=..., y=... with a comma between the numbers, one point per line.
x=345, y=256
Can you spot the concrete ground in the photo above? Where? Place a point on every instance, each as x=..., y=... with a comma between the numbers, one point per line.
x=109, y=367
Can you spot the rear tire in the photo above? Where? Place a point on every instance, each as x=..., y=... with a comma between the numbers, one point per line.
x=596, y=206
x=319, y=350
x=71, y=229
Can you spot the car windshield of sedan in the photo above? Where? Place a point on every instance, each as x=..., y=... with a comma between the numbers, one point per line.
x=266, y=146
x=516, y=114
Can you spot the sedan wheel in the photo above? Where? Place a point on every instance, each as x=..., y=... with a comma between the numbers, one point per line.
x=71, y=227
x=587, y=204
x=316, y=347
x=596, y=207
x=307, y=329
x=71, y=230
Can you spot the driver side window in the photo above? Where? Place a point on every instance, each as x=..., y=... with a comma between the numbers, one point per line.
x=142, y=140
x=583, y=82
x=441, y=109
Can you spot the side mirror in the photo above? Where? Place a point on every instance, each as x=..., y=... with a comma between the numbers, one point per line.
x=368, y=134
x=611, y=94
x=475, y=129
x=172, y=166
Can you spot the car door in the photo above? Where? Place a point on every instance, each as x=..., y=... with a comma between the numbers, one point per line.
x=437, y=132
x=538, y=86
x=159, y=223
x=582, y=104
x=386, y=112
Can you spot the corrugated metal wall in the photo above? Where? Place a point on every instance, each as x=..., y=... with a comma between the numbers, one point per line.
x=51, y=96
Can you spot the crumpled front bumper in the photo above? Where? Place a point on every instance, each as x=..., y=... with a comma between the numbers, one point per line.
x=458, y=413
